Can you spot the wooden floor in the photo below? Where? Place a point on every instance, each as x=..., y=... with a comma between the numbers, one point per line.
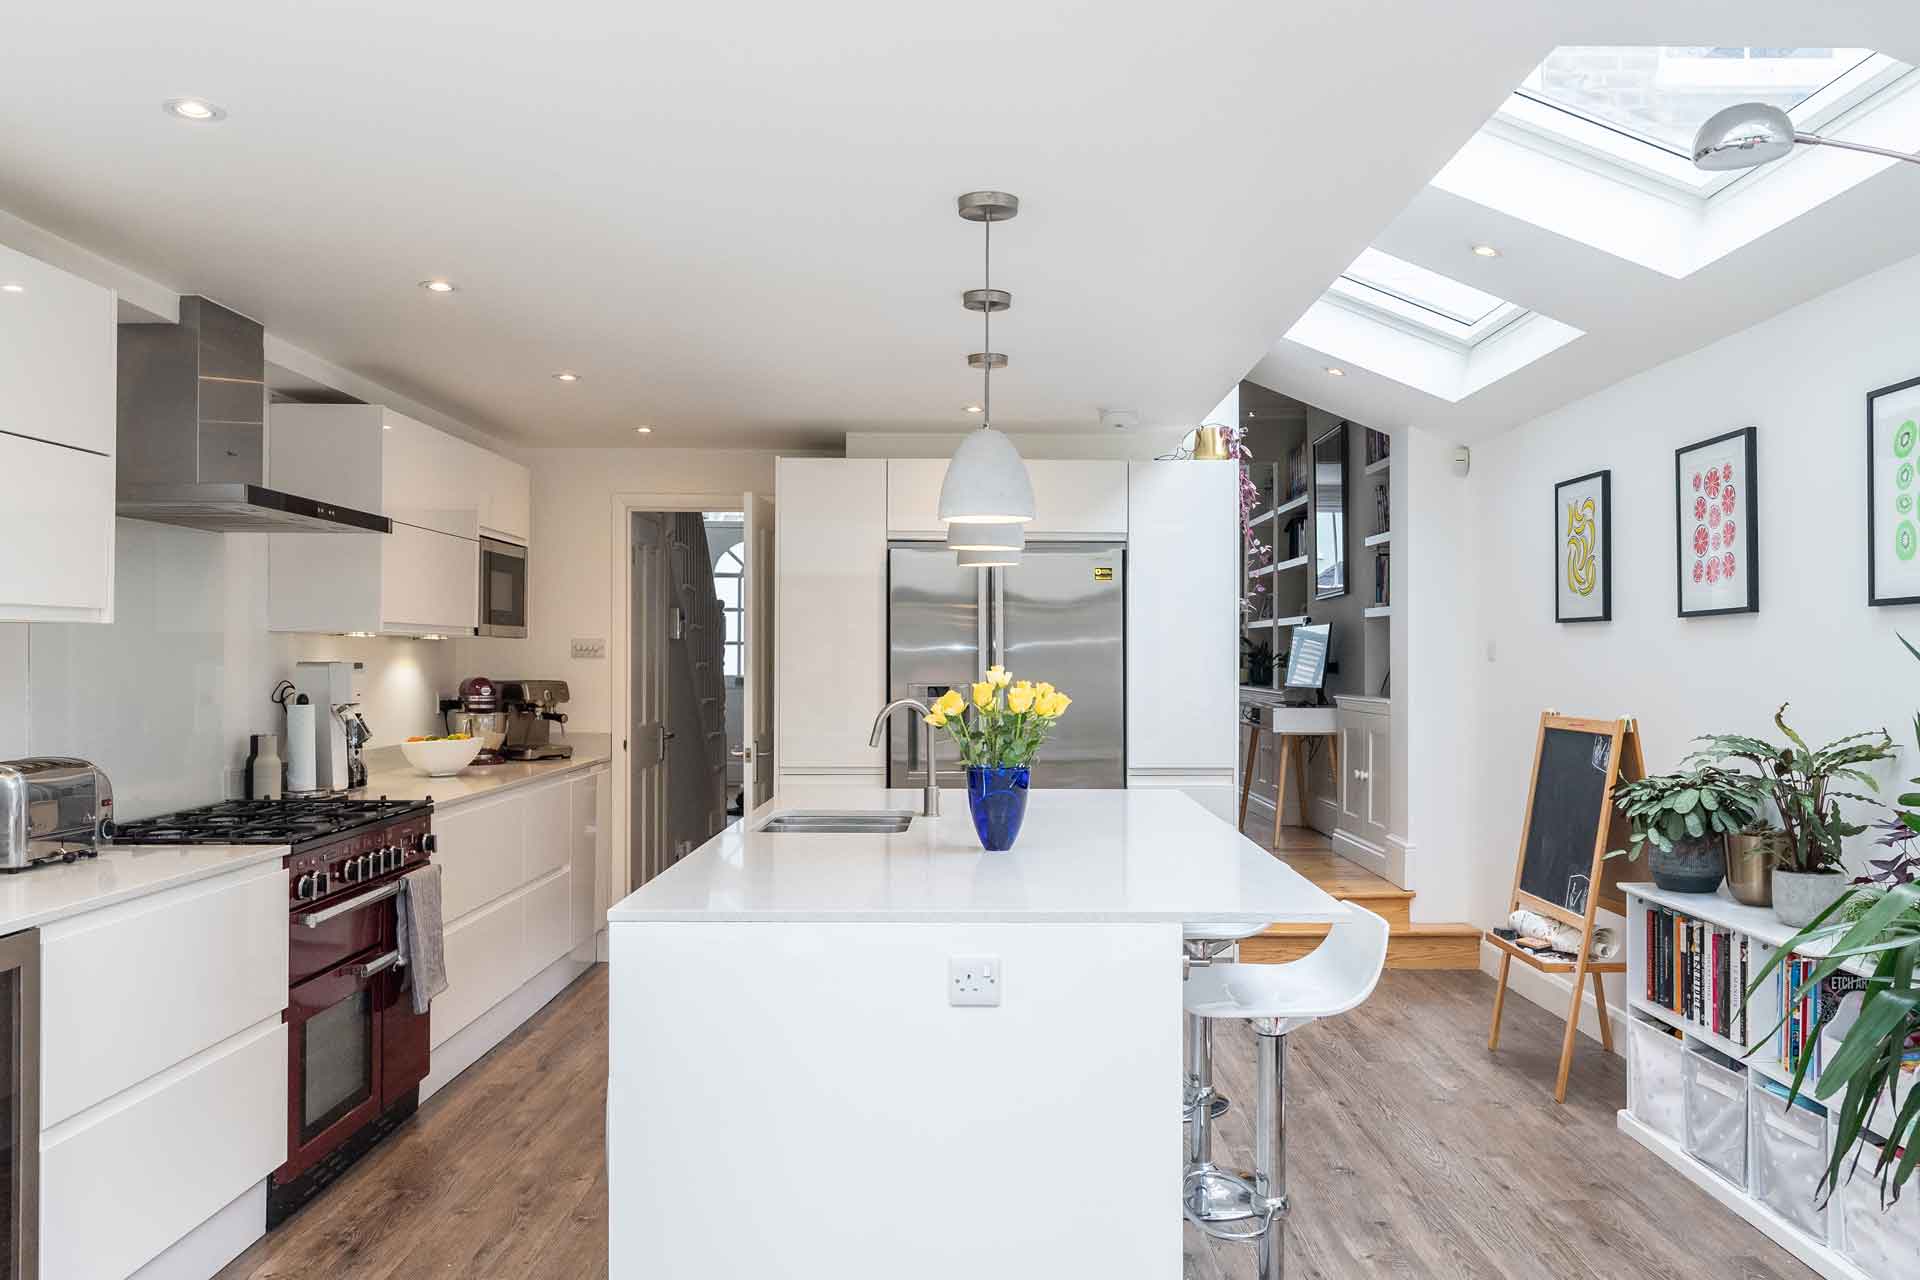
x=1415, y=1154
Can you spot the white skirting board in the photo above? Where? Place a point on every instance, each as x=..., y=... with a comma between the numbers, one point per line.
x=1553, y=991
x=214, y=1243
x=472, y=1042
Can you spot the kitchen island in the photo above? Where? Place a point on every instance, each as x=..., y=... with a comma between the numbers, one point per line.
x=795, y=1089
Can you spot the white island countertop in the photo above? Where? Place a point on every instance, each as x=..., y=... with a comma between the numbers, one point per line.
x=1135, y=855
x=56, y=890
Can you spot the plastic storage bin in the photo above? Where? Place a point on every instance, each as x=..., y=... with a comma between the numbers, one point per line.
x=1789, y=1158
x=1883, y=1243
x=1658, y=1095
x=1716, y=1089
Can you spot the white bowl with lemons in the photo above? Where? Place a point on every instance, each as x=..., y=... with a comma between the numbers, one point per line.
x=441, y=757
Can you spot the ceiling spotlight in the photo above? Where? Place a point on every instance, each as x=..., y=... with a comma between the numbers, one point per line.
x=971, y=408
x=566, y=375
x=1335, y=371
x=645, y=431
x=198, y=110
x=1485, y=251
x=12, y=288
x=437, y=285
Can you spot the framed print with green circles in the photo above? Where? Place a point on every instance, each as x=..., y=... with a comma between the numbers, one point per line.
x=1893, y=494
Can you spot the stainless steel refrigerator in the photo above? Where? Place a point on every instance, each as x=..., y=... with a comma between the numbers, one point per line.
x=1058, y=616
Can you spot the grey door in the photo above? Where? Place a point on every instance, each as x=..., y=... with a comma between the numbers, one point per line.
x=934, y=636
x=1060, y=618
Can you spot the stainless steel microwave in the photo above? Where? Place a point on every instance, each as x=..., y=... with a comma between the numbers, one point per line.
x=503, y=589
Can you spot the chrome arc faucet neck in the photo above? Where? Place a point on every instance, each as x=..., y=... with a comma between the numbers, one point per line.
x=929, y=794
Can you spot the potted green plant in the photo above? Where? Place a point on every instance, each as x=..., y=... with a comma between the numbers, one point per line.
x=1807, y=874
x=1684, y=819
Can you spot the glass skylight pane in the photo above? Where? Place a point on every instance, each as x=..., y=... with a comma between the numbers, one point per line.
x=1661, y=93
x=1461, y=303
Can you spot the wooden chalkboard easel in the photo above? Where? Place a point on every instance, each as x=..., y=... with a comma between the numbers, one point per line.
x=1563, y=871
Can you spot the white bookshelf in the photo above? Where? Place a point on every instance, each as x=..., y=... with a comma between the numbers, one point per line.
x=1380, y=539
x=1825, y=1251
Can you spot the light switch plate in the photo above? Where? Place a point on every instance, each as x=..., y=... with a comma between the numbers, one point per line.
x=589, y=646
x=973, y=980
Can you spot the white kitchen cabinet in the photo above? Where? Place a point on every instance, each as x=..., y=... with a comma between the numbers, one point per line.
x=429, y=581
x=1183, y=617
x=59, y=339
x=484, y=964
x=591, y=836
x=507, y=501
x=130, y=990
x=120, y=1185
x=549, y=921
x=1080, y=498
x=480, y=854
x=412, y=581
x=57, y=528
x=1366, y=761
x=547, y=818
x=830, y=613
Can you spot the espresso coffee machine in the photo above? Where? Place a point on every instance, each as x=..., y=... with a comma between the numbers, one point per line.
x=533, y=712
x=334, y=689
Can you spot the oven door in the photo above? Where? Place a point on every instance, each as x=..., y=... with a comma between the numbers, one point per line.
x=333, y=1057
x=503, y=589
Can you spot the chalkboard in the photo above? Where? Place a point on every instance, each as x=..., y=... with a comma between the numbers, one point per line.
x=1570, y=815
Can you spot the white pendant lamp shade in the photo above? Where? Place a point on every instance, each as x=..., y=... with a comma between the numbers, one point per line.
x=986, y=482
x=986, y=537
x=987, y=559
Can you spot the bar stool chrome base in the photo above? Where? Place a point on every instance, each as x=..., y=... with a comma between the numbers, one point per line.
x=1211, y=1196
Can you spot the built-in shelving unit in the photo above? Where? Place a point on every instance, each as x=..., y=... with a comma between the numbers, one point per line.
x=1375, y=468
x=1378, y=611
x=1380, y=539
x=1377, y=459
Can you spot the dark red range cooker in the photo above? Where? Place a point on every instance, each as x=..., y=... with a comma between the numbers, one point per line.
x=356, y=1051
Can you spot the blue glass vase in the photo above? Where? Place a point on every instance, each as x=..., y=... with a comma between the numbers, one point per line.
x=998, y=798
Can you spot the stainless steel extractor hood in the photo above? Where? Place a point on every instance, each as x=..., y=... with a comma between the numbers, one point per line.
x=193, y=431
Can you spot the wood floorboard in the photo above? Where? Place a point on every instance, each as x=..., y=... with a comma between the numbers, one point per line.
x=1415, y=1155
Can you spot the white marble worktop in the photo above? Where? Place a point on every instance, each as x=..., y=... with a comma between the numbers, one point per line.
x=55, y=890
x=389, y=774
x=1083, y=857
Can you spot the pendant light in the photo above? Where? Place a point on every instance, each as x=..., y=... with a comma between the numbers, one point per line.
x=986, y=482
x=986, y=537
x=987, y=559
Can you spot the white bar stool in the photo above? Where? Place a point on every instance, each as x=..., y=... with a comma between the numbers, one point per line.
x=1276, y=999
x=1203, y=945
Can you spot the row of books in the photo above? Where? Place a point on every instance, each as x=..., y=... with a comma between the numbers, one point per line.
x=1699, y=970
x=1806, y=1010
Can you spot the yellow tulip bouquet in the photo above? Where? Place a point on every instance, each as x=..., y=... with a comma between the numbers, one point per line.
x=998, y=733
x=1009, y=719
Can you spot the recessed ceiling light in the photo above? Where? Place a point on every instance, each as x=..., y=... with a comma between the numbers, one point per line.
x=12, y=288
x=198, y=110
x=566, y=375
x=972, y=408
x=1485, y=251
x=645, y=431
x=437, y=285
x=1335, y=371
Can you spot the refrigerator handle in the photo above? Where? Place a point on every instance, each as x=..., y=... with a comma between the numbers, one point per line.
x=999, y=616
x=982, y=653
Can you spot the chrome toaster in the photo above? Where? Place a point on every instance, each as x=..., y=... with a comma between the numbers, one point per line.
x=52, y=807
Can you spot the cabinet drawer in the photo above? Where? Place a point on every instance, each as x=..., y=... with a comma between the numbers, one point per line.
x=57, y=528
x=119, y=1186
x=483, y=965
x=546, y=814
x=479, y=855
x=549, y=921
x=131, y=990
x=430, y=581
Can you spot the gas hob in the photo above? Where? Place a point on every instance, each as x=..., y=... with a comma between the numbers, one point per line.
x=292, y=821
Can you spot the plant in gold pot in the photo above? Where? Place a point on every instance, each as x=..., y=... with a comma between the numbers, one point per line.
x=1683, y=821
x=1807, y=874
x=1752, y=853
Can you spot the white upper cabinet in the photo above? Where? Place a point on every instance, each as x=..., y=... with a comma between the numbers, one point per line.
x=57, y=530
x=830, y=612
x=507, y=510
x=58, y=338
x=1071, y=498
x=1183, y=615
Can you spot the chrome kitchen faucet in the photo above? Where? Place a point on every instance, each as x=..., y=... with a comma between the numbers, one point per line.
x=929, y=794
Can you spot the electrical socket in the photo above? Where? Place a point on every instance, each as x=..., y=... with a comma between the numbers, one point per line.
x=589, y=646
x=973, y=980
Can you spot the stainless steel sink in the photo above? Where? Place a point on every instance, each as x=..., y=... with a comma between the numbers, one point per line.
x=818, y=822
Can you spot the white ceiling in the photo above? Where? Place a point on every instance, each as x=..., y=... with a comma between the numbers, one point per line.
x=736, y=221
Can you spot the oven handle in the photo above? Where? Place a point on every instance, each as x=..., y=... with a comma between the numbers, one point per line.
x=314, y=919
x=372, y=967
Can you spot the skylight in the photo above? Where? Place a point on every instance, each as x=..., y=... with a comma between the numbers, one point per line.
x=1660, y=93
x=1413, y=295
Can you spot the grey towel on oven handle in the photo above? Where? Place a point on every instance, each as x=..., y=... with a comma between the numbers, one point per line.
x=422, y=943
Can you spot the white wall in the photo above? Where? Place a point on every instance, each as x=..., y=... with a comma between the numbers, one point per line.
x=571, y=563
x=1801, y=379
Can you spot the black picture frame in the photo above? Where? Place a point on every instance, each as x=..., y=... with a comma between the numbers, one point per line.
x=1330, y=509
x=1605, y=477
x=1874, y=598
x=1748, y=437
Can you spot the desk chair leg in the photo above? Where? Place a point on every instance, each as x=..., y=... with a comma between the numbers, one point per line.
x=1499, y=1002
x=1600, y=1008
x=1281, y=769
x=1573, y=1029
x=1246, y=777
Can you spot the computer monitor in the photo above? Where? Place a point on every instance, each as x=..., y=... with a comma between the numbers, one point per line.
x=1307, y=657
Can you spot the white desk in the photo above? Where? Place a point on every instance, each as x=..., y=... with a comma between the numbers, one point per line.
x=1292, y=726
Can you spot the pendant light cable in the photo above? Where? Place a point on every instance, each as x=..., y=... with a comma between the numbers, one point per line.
x=986, y=320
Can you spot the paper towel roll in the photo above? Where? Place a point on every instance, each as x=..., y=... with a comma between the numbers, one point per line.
x=302, y=745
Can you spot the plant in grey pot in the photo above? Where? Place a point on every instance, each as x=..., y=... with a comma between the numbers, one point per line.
x=1683, y=821
x=1807, y=874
